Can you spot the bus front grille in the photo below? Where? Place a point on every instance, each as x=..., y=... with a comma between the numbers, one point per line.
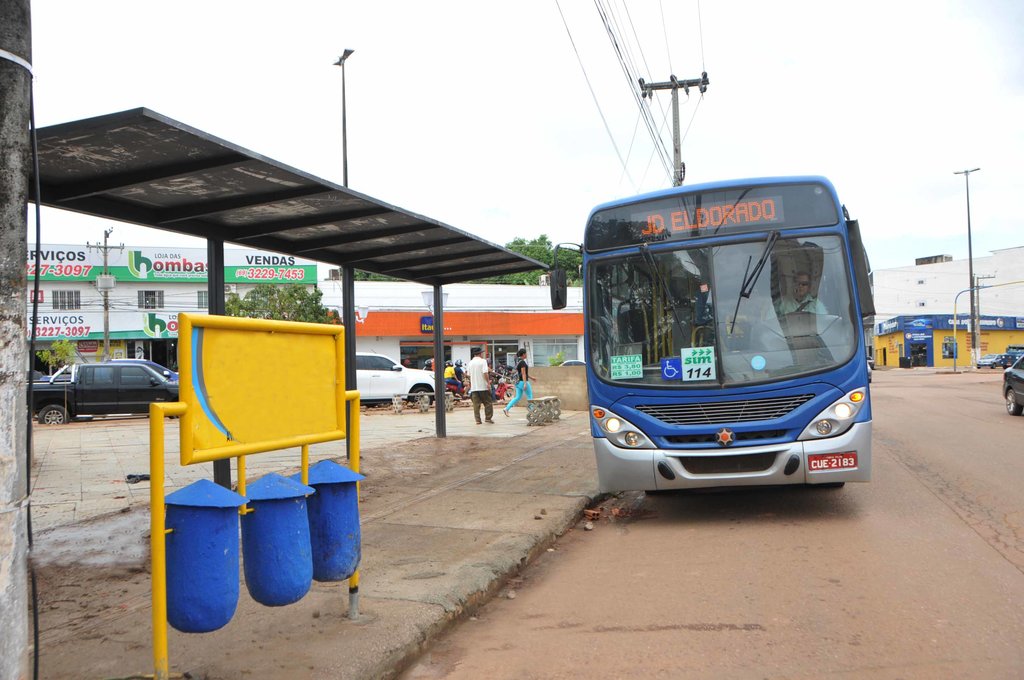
x=748, y=437
x=717, y=412
x=722, y=465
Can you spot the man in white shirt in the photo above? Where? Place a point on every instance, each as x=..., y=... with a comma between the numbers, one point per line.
x=480, y=384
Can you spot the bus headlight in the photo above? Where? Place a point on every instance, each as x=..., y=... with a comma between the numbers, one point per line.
x=620, y=432
x=837, y=418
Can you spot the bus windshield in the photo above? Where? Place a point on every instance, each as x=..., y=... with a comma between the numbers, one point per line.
x=724, y=315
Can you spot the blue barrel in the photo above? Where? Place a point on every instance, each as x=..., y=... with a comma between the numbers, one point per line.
x=334, y=521
x=202, y=556
x=275, y=541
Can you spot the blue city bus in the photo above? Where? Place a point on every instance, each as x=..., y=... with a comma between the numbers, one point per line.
x=724, y=337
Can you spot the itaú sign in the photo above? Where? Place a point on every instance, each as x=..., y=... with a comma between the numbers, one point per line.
x=427, y=326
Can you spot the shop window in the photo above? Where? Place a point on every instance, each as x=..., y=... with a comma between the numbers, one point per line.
x=554, y=350
x=415, y=355
x=203, y=299
x=948, y=348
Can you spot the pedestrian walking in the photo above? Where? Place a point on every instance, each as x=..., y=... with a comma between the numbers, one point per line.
x=522, y=382
x=480, y=384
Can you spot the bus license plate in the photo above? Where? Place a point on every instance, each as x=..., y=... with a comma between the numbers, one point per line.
x=832, y=461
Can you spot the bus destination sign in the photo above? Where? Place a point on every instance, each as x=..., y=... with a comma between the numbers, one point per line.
x=687, y=215
x=763, y=211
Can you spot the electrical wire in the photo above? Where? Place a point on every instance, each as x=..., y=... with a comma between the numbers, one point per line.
x=664, y=31
x=631, y=80
x=594, y=95
x=29, y=410
x=700, y=33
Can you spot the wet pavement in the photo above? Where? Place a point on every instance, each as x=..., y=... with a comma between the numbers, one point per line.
x=445, y=524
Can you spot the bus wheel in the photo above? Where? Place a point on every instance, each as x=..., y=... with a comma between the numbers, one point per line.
x=53, y=415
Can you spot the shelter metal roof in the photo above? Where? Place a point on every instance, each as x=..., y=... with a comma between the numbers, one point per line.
x=141, y=167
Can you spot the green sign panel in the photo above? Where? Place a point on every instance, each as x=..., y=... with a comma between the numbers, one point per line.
x=698, y=363
x=627, y=366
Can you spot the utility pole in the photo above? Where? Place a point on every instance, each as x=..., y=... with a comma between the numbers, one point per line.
x=970, y=266
x=15, y=434
x=105, y=283
x=647, y=90
x=977, y=292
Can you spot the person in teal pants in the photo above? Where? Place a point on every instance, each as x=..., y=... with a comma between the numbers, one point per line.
x=522, y=382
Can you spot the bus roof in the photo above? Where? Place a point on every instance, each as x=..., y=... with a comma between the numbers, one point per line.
x=715, y=186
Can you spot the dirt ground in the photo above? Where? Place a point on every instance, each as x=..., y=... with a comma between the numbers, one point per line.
x=93, y=585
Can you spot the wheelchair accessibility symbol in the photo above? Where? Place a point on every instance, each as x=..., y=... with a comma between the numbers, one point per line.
x=672, y=368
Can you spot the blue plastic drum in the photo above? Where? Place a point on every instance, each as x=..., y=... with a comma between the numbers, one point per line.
x=334, y=521
x=276, y=553
x=202, y=556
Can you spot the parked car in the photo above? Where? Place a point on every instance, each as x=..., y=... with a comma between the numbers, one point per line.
x=1004, y=361
x=988, y=360
x=573, y=362
x=379, y=378
x=1013, y=387
x=100, y=389
x=162, y=370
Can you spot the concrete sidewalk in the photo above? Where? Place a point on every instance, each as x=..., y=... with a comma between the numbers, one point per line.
x=446, y=522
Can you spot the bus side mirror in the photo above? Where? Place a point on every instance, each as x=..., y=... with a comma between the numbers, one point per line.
x=558, y=292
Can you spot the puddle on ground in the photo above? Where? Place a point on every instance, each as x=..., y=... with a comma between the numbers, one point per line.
x=117, y=540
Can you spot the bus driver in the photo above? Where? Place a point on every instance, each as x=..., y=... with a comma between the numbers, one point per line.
x=800, y=299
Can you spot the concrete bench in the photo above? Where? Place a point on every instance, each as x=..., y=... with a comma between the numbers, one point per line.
x=543, y=410
x=421, y=400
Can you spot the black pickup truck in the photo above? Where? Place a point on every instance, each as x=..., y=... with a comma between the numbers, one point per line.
x=99, y=390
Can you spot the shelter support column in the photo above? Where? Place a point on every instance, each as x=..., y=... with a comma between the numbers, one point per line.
x=215, y=294
x=440, y=424
x=348, y=320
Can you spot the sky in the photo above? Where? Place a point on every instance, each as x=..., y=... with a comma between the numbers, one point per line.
x=511, y=120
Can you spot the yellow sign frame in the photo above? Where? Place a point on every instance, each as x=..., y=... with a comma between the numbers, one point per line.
x=201, y=442
x=198, y=445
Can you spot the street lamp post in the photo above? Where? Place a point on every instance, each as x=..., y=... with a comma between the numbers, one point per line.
x=344, y=125
x=970, y=266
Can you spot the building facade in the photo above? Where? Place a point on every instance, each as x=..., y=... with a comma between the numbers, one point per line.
x=916, y=306
x=395, y=319
x=134, y=298
x=145, y=289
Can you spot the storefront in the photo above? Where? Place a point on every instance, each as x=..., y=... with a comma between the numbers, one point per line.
x=930, y=339
x=143, y=291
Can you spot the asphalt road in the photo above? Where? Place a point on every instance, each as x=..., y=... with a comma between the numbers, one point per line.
x=918, y=574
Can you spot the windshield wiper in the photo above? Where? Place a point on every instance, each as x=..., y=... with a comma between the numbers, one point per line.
x=750, y=276
x=664, y=284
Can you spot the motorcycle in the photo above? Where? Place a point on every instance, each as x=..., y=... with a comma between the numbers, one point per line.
x=504, y=390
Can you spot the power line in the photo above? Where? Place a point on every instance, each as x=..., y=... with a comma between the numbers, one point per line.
x=594, y=95
x=664, y=32
x=631, y=79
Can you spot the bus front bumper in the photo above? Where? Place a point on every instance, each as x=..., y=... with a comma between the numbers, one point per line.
x=621, y=469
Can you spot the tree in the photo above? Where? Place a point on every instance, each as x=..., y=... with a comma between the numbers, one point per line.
x=288, y=302
x=542, y=250
x=61, y=353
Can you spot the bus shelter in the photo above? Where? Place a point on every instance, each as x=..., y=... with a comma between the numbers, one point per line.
x=143, y=168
